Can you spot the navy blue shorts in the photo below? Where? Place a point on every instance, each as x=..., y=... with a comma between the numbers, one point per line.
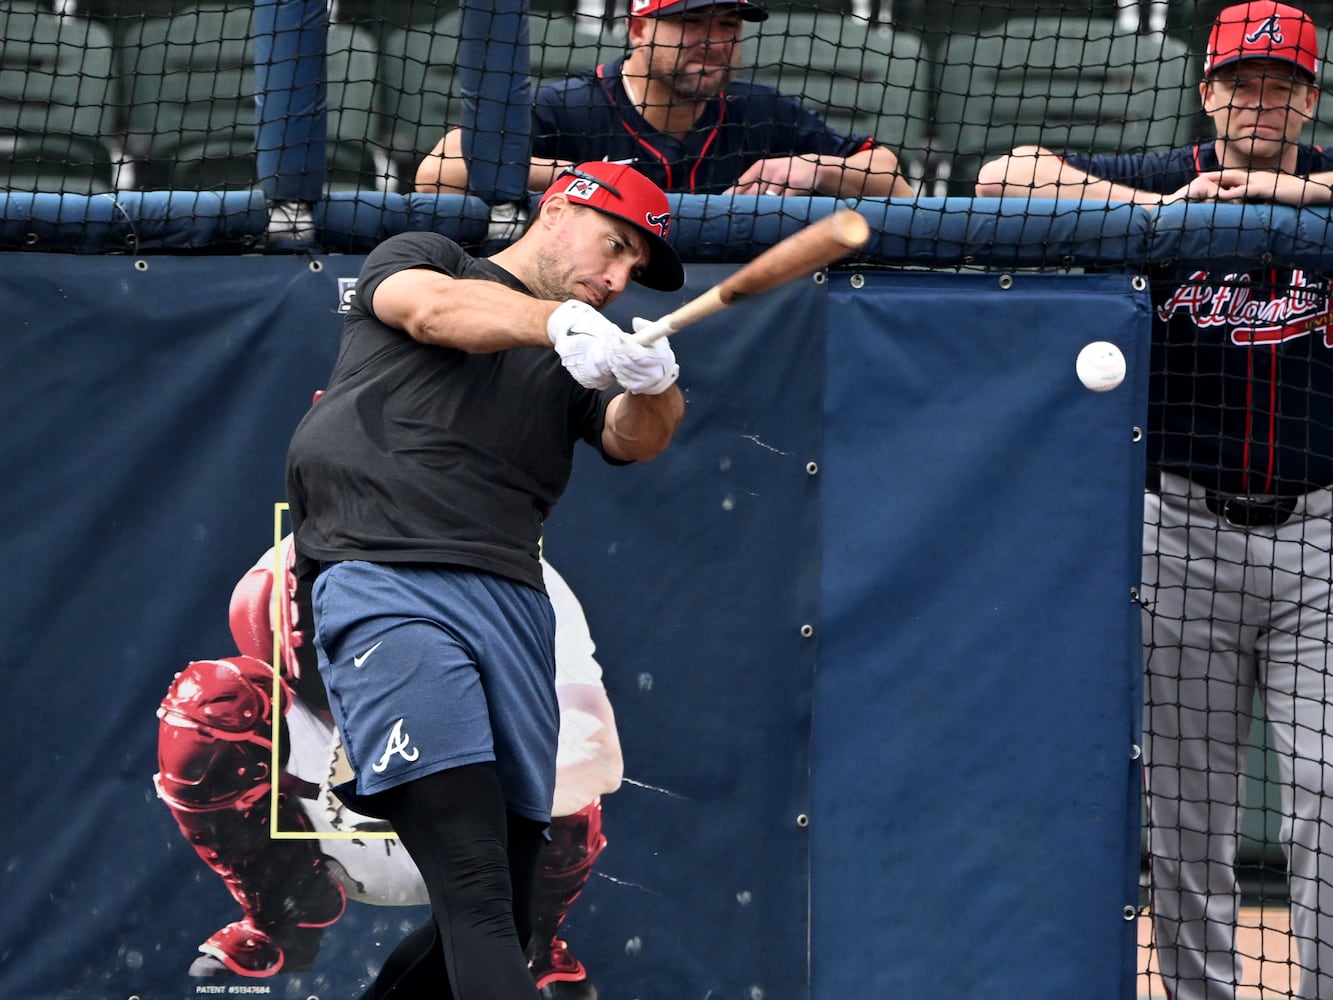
x=430, y=668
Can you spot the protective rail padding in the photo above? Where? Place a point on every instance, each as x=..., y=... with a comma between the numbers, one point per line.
x=926, y=232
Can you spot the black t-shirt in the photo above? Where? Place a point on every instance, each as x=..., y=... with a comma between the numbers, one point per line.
x=426, y=454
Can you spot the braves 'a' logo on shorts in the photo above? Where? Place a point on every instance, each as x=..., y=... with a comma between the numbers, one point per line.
x=398, y=744
x=662, y=223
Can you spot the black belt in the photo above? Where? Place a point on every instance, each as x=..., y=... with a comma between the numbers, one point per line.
x=1251, y=512
x=1241, y=511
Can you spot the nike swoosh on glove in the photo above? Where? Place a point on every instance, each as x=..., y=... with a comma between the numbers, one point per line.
x=585, y=340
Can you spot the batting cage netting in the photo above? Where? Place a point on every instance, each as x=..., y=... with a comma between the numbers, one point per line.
x=1176, y=142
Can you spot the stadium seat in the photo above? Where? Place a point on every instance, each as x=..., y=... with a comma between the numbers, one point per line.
x=57, y=102
x=353, y=156
x=119, y=11
x=563, y=46
x=189, y=82
x=384, y=16
x=418, y=96
x=864, y=78
x=1321, y=133
x=1065, y=83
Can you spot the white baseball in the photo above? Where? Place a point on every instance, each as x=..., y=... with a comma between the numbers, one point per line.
x=1100, y=366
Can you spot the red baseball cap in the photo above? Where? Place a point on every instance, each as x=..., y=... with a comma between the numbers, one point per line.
x=1262, y=29
x=747, y=9
x=620, y=190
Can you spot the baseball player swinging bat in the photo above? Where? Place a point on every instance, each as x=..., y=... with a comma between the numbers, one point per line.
x=817, y=245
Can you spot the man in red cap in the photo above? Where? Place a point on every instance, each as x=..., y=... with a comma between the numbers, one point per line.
x=418, y=485
x=1237, y=578
x=672, y=108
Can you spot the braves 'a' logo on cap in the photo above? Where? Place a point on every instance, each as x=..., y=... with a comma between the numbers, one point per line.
x=639, y=6
x=661, y=223
x=582, y=188
x=1271, y=28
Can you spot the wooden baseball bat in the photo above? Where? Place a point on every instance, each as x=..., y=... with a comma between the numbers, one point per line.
x=804, y=252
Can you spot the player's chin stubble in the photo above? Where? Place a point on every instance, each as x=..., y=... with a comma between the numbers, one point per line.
x=552, y=276
x=700, y=86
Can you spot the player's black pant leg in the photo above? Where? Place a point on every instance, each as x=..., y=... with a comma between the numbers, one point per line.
x=477, y=861
x=526, y=839
x=414, y=970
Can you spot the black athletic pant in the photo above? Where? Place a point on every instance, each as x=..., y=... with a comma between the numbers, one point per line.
x=478, y=861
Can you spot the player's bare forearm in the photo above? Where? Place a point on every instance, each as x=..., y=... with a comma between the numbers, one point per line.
x=1040, y=173
x=471, y=315
x=1272, y=185
x=871, y=173
x=1318, y=189
x=639, y=427
x=444, y=171
x=543, y=170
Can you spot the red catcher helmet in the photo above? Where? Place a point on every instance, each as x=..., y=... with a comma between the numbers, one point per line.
x=215, y=734
x=253, y=607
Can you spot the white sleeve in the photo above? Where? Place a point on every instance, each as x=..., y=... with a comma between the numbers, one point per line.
x=574, y=660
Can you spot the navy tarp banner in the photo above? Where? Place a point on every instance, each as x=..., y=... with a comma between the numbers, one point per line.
x=706, y=560
x=147, y=412
x=867, y=636
x=977, y=694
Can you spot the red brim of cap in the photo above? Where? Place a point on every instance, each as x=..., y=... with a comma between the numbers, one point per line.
x=1240, y=57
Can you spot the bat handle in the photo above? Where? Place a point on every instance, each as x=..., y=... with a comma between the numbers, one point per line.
x=654, y=331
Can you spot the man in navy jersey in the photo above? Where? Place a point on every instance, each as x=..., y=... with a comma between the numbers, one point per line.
x=672, y=109
x=1237, y=563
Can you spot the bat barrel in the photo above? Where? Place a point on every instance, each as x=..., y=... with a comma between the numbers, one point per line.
x=850, y=228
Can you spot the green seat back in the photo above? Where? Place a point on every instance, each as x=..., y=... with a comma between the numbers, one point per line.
x=381, y=17
x=58, y=104
x=1321, y=131
x=1065, y=83
x=353, y=158
x=190, y=86
x=865, y=79
x=418, y=96
x=562, y=46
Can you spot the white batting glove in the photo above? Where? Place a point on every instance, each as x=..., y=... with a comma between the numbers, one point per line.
x=585, y=341
x=646, y=370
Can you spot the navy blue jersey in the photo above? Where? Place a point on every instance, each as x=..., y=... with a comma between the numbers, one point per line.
x=590, y=117
x=1242, y=368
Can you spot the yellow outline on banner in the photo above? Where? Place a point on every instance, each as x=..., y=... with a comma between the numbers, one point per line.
x=279, y=593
